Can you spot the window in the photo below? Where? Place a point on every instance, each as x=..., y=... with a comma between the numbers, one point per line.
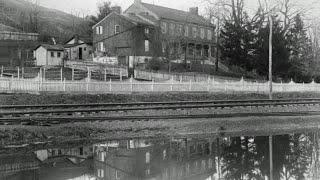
x=180, y=29
x=52, y=54
x=146, y=45
x=101, y=46
x=99, y=30
x=85, y=49
x=146, y=30
x=164, y=27
x=186, y=31
x=209, y=34
x=116, y=29
x=194, y=32
x=147, y=157
x=172, y=26
x=100, y=173
x=59, y=54
x=202, y=33
x=163, y=47
x=117, y=175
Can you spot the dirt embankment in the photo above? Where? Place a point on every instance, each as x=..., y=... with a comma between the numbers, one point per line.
x=9, y=99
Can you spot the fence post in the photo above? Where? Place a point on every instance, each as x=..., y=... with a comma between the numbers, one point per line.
x=110, y=85
x=1, y=71
x=105, y=75
x=18, y=72
x=208, y=84
x=22, y=73
x=72, y=76
x=87, y=85
x=131, y=84
x=190, y=85
x=152, y=85
x=61, y=74
x=44, y=73
x=88, y=74
x=120, y=74
x=10, y=83
x=171, y=87
x=64, y=84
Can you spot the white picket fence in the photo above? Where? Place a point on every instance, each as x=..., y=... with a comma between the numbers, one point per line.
x=131, y=85
x=162, y=76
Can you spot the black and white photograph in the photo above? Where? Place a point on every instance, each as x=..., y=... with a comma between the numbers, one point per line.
x=159, y=90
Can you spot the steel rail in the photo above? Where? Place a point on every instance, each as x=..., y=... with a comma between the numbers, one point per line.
x=43, y=106
x=68, y=119
x=173, y=107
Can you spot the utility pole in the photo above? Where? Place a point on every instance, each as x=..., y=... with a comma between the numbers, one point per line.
x=270, y=57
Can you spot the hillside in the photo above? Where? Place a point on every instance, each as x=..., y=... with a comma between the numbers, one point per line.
x=21, y=15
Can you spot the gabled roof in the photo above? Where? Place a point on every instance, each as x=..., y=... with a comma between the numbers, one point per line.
x=129, y=17
x=50, y=47
x=177, y=15
x=86, y=40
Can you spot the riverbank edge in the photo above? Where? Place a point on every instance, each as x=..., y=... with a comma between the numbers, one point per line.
x=98, y=131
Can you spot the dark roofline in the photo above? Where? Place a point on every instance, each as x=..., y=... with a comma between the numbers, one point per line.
x=47, y=48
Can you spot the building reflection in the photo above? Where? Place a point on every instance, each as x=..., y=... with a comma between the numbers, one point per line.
x=295, y=156
x=154, y=159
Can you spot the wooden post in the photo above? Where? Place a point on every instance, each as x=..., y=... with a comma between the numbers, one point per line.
x=208, y=84
x=271, y=157
x=1, y=71
x=110, y=85
x=22, y=73
x=120, y=75
x=131, y=84
x=18, y=72
x=61, y=74
x=152, y=85
x=44, y=74
x=89, y=74
x=64, y=84
x=72, y=76
x=171, y=87
x=105, y=75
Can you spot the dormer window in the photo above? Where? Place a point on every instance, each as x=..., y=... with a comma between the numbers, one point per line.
x=116, y=29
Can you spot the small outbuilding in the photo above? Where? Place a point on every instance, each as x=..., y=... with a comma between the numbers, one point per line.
x=78, y=48
x=49, y=55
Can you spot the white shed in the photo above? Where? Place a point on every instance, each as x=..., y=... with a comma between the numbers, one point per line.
x=49, y=55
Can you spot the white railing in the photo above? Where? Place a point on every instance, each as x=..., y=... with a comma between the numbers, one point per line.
x=162, y=76
x=38, y=85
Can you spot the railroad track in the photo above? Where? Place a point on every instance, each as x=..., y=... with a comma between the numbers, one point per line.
x=62, y=113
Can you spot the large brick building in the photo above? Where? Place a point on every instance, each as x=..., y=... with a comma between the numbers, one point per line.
x=144, y=31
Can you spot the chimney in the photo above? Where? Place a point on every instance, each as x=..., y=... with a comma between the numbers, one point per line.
x=76, y=39
x=137, y=1
x=194, y=10
x=117, y=9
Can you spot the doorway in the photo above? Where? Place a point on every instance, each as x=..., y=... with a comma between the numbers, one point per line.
x=80, y=53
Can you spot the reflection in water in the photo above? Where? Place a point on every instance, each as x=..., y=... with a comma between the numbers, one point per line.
x=295, y=156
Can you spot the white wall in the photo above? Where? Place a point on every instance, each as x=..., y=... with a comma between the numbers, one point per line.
x=41, y=56
x=73, y=52
x=55, y=61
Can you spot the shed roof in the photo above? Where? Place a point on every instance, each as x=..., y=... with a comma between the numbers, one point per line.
x=50, y=47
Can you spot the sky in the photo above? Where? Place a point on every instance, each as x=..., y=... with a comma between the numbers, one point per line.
x=85, y=7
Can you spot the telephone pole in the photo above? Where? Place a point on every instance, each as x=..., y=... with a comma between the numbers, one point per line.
x=270, y=57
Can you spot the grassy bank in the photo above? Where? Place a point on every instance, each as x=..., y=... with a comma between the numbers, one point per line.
x=8, y=99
